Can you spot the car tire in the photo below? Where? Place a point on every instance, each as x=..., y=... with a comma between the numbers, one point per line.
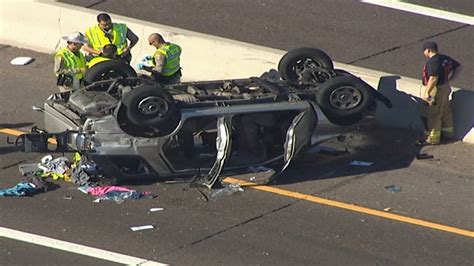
x=149, y=106
x=109, y=69
x=346, y=120
x=294, y=58
x=344, y=98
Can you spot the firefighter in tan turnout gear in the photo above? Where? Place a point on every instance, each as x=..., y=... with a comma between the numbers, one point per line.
x=436, y=109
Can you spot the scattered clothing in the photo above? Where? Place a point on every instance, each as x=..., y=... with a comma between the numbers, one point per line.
x=58, y=168
x=102, y=190
x=114, y=193
x=84, y=171
x=20, y=190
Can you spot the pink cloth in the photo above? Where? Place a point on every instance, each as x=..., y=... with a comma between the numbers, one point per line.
x=102, y=190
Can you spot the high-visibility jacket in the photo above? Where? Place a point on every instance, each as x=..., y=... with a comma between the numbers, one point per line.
x=97, y=38
x=172, y=53
x=72, y=61
x=96, y=60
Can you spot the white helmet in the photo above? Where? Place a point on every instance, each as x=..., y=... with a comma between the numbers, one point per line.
x=75, y=37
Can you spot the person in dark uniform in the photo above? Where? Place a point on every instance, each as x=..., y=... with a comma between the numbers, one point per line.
x=436, y=108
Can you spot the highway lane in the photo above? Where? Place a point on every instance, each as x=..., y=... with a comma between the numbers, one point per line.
x=351, y=32
x=254, y=227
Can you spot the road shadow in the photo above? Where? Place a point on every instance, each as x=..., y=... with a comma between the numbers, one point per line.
x=387, y=148
x=16, y=125
x=463, y=110
x=8, y=149
x=405, y=112
x=389, y=144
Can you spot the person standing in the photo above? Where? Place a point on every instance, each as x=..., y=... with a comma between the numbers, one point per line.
x=106, y=32
x=70, y=63
x=437, y=72
x=165, y=62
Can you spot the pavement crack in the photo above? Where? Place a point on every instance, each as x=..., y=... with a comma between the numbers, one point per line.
x=14, y=164
x=341, y=184
x=96, y=3
x=238, y=225
x=407, y=44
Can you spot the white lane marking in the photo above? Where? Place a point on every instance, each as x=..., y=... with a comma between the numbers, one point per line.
x=74, y=248
x=422, y=10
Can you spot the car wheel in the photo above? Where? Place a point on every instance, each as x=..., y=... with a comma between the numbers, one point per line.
x=109, y=69
x=294, y=63
x=149, y=106
x=344, y=97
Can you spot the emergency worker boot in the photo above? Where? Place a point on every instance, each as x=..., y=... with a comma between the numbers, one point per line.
x=433, y=138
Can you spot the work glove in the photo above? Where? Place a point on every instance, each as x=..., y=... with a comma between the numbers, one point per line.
x=147, y=58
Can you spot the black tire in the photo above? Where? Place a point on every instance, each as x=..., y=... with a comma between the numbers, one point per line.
x=150, y=106
x=109, y=69
x=344, y=97
x=291, y=61
x=340, y=72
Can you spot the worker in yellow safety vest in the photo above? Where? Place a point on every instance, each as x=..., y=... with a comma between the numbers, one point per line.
x=109, y=52
x=165, y=62
x=106, y=32
x=70, y=63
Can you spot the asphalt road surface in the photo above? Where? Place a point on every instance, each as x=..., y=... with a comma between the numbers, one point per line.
x=350, y=32
x=286, y=224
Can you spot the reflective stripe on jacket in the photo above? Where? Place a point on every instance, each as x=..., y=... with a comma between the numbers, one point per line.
x=172, y=52
x=97, y=38
x=72, y=61
x=96, y=60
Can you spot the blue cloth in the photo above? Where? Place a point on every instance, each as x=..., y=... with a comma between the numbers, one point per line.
x=22, y=189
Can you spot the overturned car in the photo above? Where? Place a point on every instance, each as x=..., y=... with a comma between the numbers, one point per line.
x=133, y=128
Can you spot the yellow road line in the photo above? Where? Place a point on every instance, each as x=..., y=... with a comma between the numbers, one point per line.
x=17, y=133
x=351, y=207
x=10, y=131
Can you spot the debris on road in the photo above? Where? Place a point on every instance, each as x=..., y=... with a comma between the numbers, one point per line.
x=21, y=61
x=156, y=209
x=260, y=168
x=361, y=163
x=142, y=227
x=227, y=190
x=388, y=209
x=114, y=193
x=28, y=187
x=393, y=189
x=29, y=169
x=58, y=168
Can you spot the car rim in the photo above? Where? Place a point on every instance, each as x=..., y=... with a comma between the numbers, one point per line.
x=345, y=98
x=153, y=106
